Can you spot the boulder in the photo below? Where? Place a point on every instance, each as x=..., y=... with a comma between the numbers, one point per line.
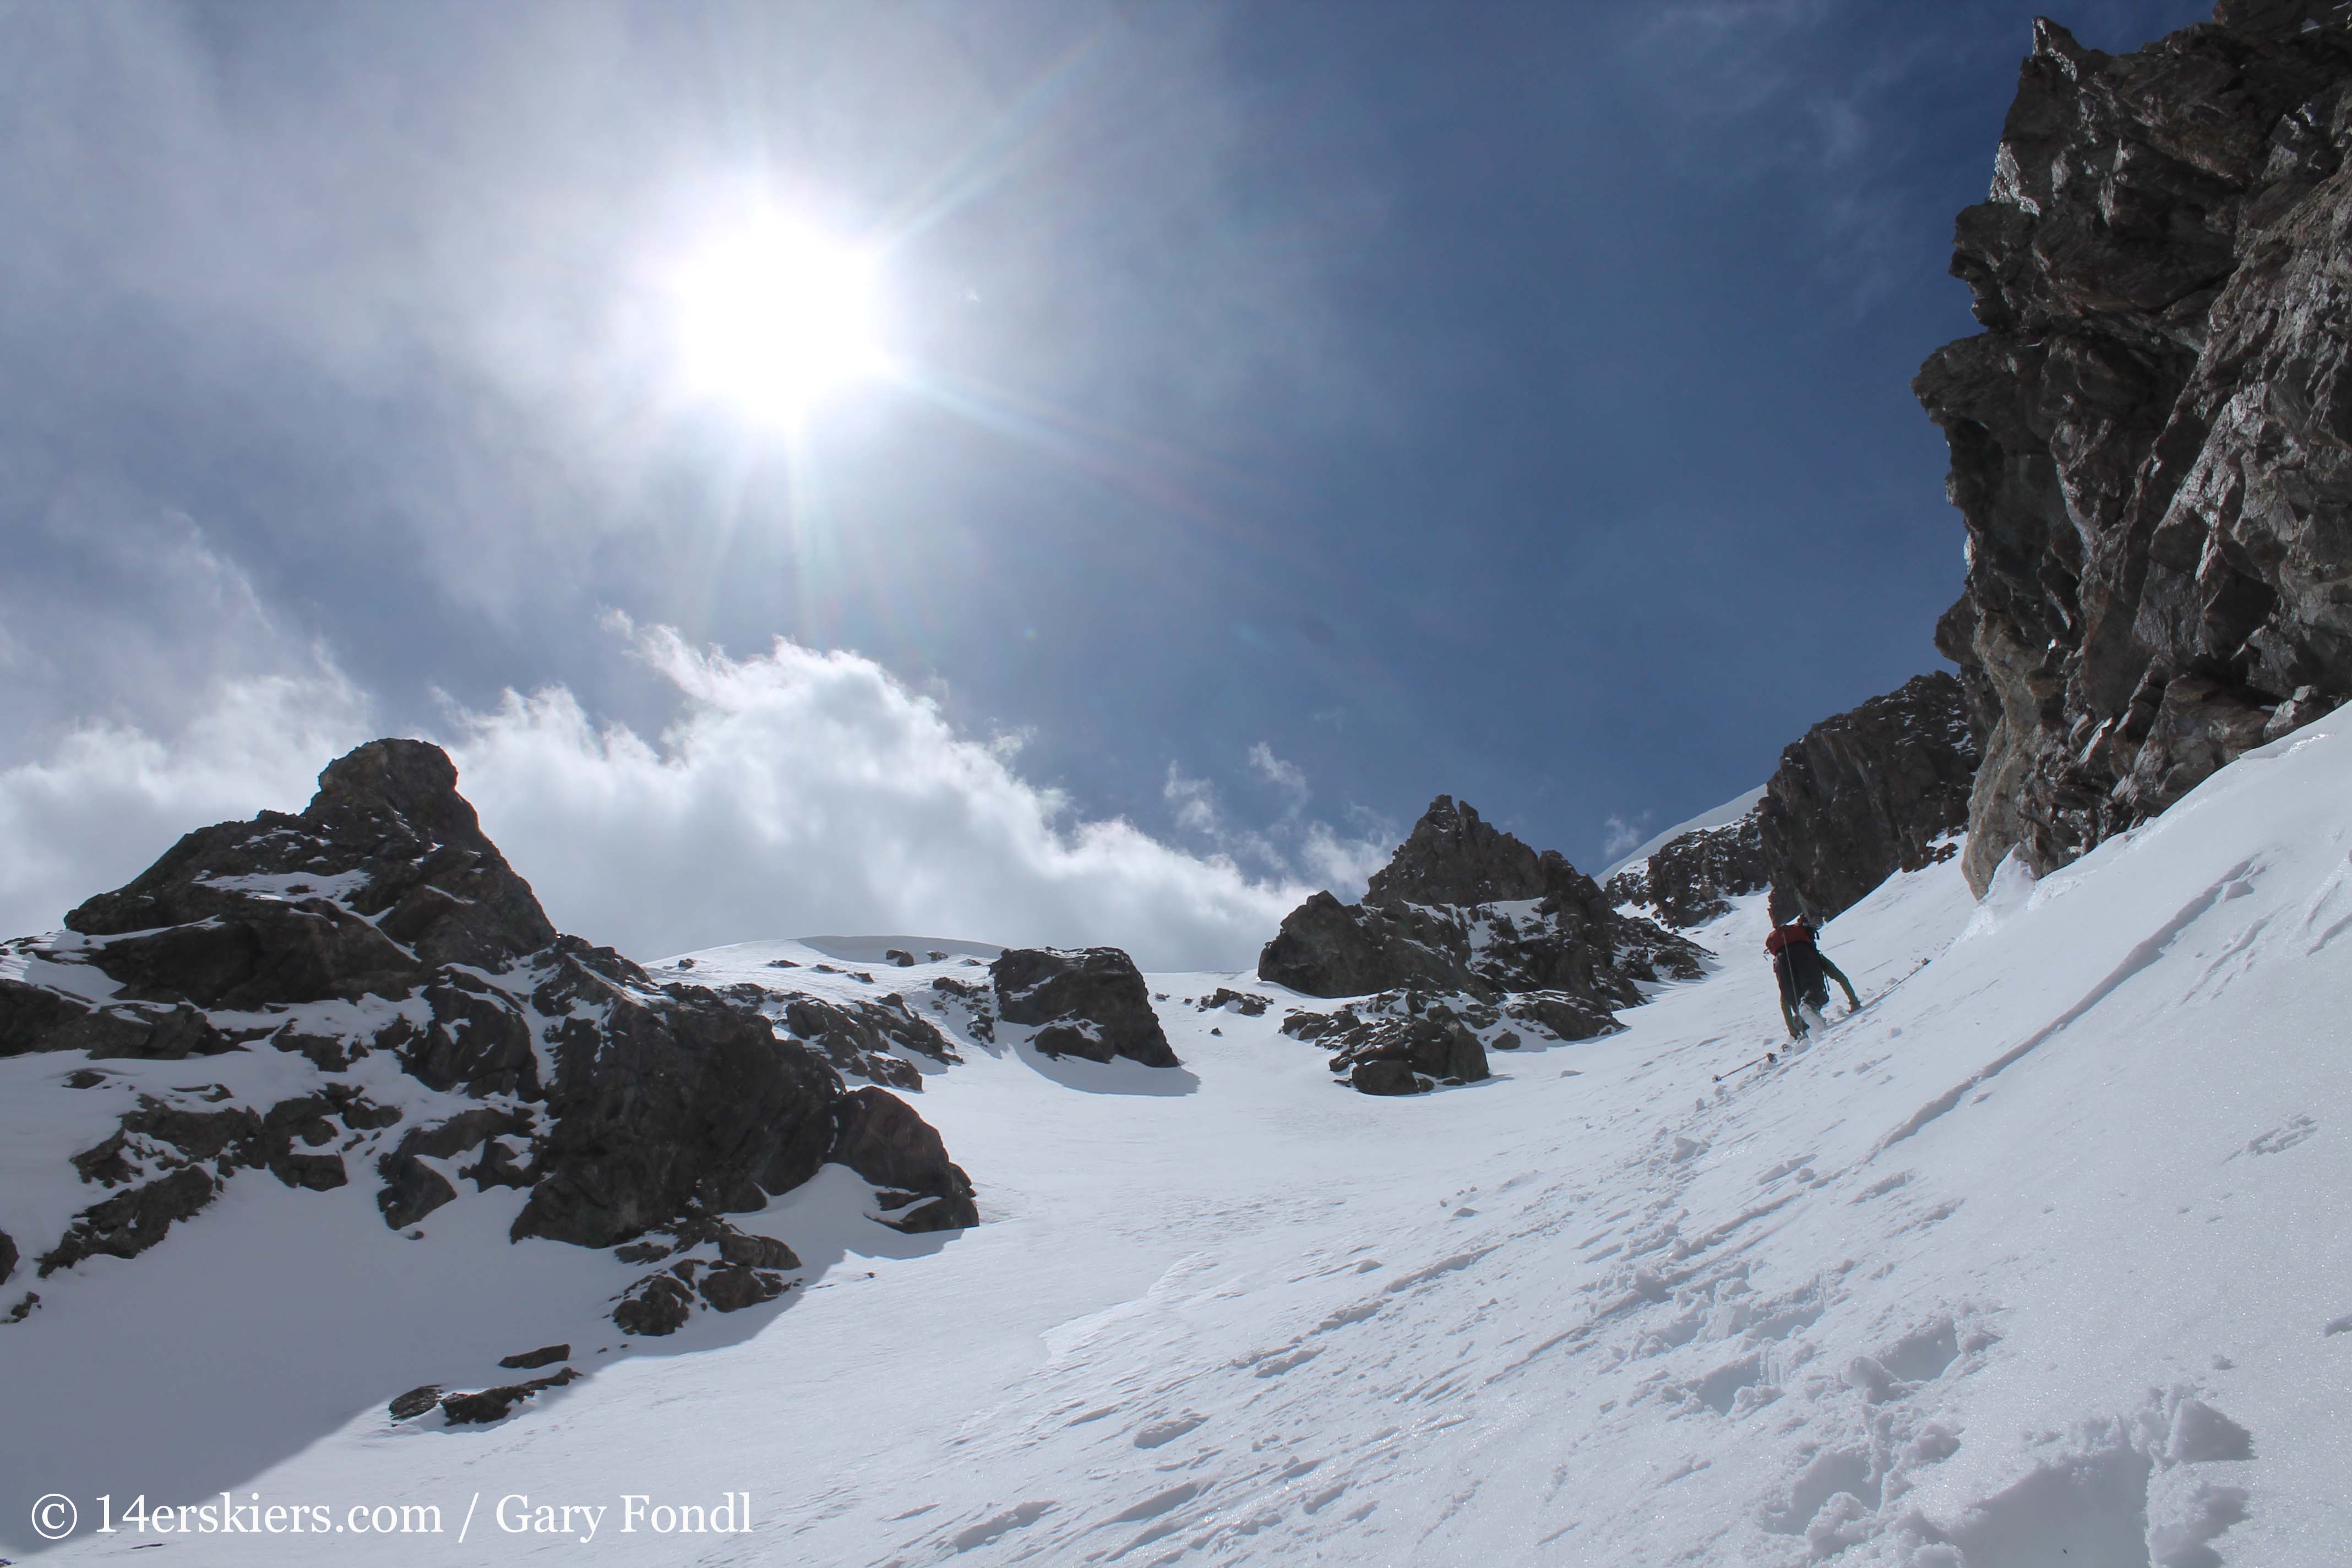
x=527, y=1361
x=757, y=1251
x=879, y=1136
x=1248, y=1004
x=1384, y=1074
x=489, y=1404
x=1087, y=1002
x=2147, y=440
x=655, y=1306
x=416, y=1402
x=1427, y=1035
x=1865, y=793
x=730, y=1289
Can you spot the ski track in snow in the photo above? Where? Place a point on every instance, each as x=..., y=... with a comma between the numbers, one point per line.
x=2037, y=1258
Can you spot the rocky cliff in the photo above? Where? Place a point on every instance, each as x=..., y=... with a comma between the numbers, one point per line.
x=1863, y=795
x=1691, y=878
x=1464, y=928
x=2151, y=441
x=434, y=1033
x=1881, y=788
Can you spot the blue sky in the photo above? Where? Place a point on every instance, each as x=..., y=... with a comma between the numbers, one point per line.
x=1302, y=410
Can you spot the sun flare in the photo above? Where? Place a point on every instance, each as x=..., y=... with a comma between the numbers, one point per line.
x=773, y=317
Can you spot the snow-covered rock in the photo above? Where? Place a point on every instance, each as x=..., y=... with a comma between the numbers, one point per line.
x=423, y=1031
x=1465, y=912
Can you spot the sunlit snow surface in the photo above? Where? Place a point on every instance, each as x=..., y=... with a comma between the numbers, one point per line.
x=2039, y=1259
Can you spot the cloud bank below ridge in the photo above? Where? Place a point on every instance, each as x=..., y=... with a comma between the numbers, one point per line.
x=792, y=792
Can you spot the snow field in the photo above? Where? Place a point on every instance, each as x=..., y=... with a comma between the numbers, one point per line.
x=2040, y=1258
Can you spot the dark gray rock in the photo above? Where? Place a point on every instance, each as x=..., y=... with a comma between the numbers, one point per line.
x=2148, y=440
x=659, y=1108
x=1574, y=938
x=1631, y=885
x=1454, y=856
x=1693, y=877
x=234, y=916
x=489, y=1404
x=879, y=1136
x=655, y=1306
x=858, y=1037
x=1385, y=1074
x=1326, y=948
x=1561, y=1015
x=416, y=1402
x=1868, y=793
x=1089, y=1002
x=757, y=1251
x=8, y=1256
x=35, y=1018
x=730, y=1289
x=902, y=959
x=412, y=1189
x=130, y=1223
x=1248, y=1004
x=1438, y=972
x=527, y=1361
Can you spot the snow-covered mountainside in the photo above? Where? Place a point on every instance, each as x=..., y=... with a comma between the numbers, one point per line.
x=2039, y=1258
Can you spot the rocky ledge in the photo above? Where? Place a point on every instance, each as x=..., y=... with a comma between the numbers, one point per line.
x=448, y=1038
x=1465, y=927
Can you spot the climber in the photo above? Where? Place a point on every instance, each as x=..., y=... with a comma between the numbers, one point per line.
x=1803, y=970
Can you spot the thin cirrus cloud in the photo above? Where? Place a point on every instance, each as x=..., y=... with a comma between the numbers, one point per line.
x=792, y=790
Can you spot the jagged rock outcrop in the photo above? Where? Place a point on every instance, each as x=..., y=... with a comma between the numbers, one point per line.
x=1879, y=789
x=1691, y=878
x=2151, y=442
x=1087, y=1002
x=1468, y=911
x=381, y=922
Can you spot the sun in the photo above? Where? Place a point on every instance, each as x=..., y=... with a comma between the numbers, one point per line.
x=773, y=316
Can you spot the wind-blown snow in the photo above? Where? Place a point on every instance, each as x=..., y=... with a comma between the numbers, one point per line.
x=2040, y=1258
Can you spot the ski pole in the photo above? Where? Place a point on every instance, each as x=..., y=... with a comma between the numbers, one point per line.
x=1743, y=1066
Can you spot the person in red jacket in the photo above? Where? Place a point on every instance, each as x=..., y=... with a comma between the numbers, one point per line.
x=1799, y=965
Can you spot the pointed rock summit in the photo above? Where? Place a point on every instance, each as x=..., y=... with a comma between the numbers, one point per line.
x=1464, y=928
x=1453, y=856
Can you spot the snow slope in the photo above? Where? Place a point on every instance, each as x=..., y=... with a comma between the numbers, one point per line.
x=2038, y=1259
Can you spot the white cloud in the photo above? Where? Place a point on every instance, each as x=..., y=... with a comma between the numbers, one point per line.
x=794, y=792
x=110, y=798
x=1621, y=835
x=799, y=792
x=1194, y=802
x=1284, y=776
